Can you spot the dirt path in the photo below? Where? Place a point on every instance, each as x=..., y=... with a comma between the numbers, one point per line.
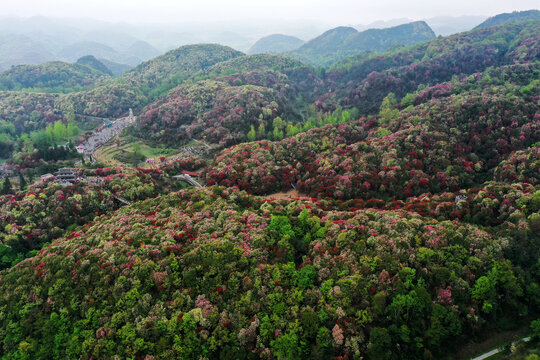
x=289, y=195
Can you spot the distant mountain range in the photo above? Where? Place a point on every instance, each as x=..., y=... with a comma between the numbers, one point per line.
x=448, y=25
x=123, y=46
x=441, y=25
x=16, y=49
x=115, y=68
x=20, y=49
x=75, y=51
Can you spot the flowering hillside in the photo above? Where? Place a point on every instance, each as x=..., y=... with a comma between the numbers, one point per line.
x=443, y=145
x=218, y=273
x=366, y=82
x=29, y=219
x=213, y=111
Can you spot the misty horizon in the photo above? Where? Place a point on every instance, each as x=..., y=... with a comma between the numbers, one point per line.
x=66, y=32
x=328, y=13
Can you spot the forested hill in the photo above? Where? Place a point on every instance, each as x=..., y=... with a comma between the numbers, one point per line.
x=250, y=91
x=363, y=82
x=94, y=63
x=22, y=112
x=335, y=44
x=56, y=76
x=137, y=87
x=276, y=43
x=170, y=69
x=507, y=18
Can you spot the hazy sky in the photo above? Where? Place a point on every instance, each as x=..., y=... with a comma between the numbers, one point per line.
x=329, y=11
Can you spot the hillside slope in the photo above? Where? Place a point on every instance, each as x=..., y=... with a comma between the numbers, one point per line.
x=363, y=82
x=221, y=274
x=137, y=87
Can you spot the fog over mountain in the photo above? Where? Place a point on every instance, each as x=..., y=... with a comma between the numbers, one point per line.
x=36, y=39
x=131, y=32
x=329, y=12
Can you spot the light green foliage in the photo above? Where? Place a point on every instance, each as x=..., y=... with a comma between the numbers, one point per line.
x=407, y=100
x=382, y=132
x=261, y=131
x=388, y=114
x=286, y=346
x=251, y=136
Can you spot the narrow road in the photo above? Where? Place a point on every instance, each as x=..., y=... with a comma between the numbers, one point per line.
x=500, y=349
x=187, y=178
x=104, y=134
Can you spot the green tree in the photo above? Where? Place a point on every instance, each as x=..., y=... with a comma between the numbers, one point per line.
x=277, y=134
x=444, y=325
x=6, y=187
x=22, y=181
x=59, y=131
x=535, y=327
x=261, y=132
x=388, y=114
x=41, y=138
x=28, y=144
x=136, y=148
x=407, y=100
x=279, y=123
x=379, y=344
x=49, y=134
x=72, y=130
x=286, y=346
x=251, y=134
x=345, y=116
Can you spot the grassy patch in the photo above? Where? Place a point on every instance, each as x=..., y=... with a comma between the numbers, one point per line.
x=132, y=153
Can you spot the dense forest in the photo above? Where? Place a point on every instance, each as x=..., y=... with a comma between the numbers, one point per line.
x=384, y=207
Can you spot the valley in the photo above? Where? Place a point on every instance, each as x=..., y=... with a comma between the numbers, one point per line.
x=369, y=194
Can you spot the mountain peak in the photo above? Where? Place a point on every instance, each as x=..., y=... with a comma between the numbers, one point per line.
x=275, y=43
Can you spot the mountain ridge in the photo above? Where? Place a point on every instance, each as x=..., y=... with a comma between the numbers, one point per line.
x=508, y=18
x=345, y=41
